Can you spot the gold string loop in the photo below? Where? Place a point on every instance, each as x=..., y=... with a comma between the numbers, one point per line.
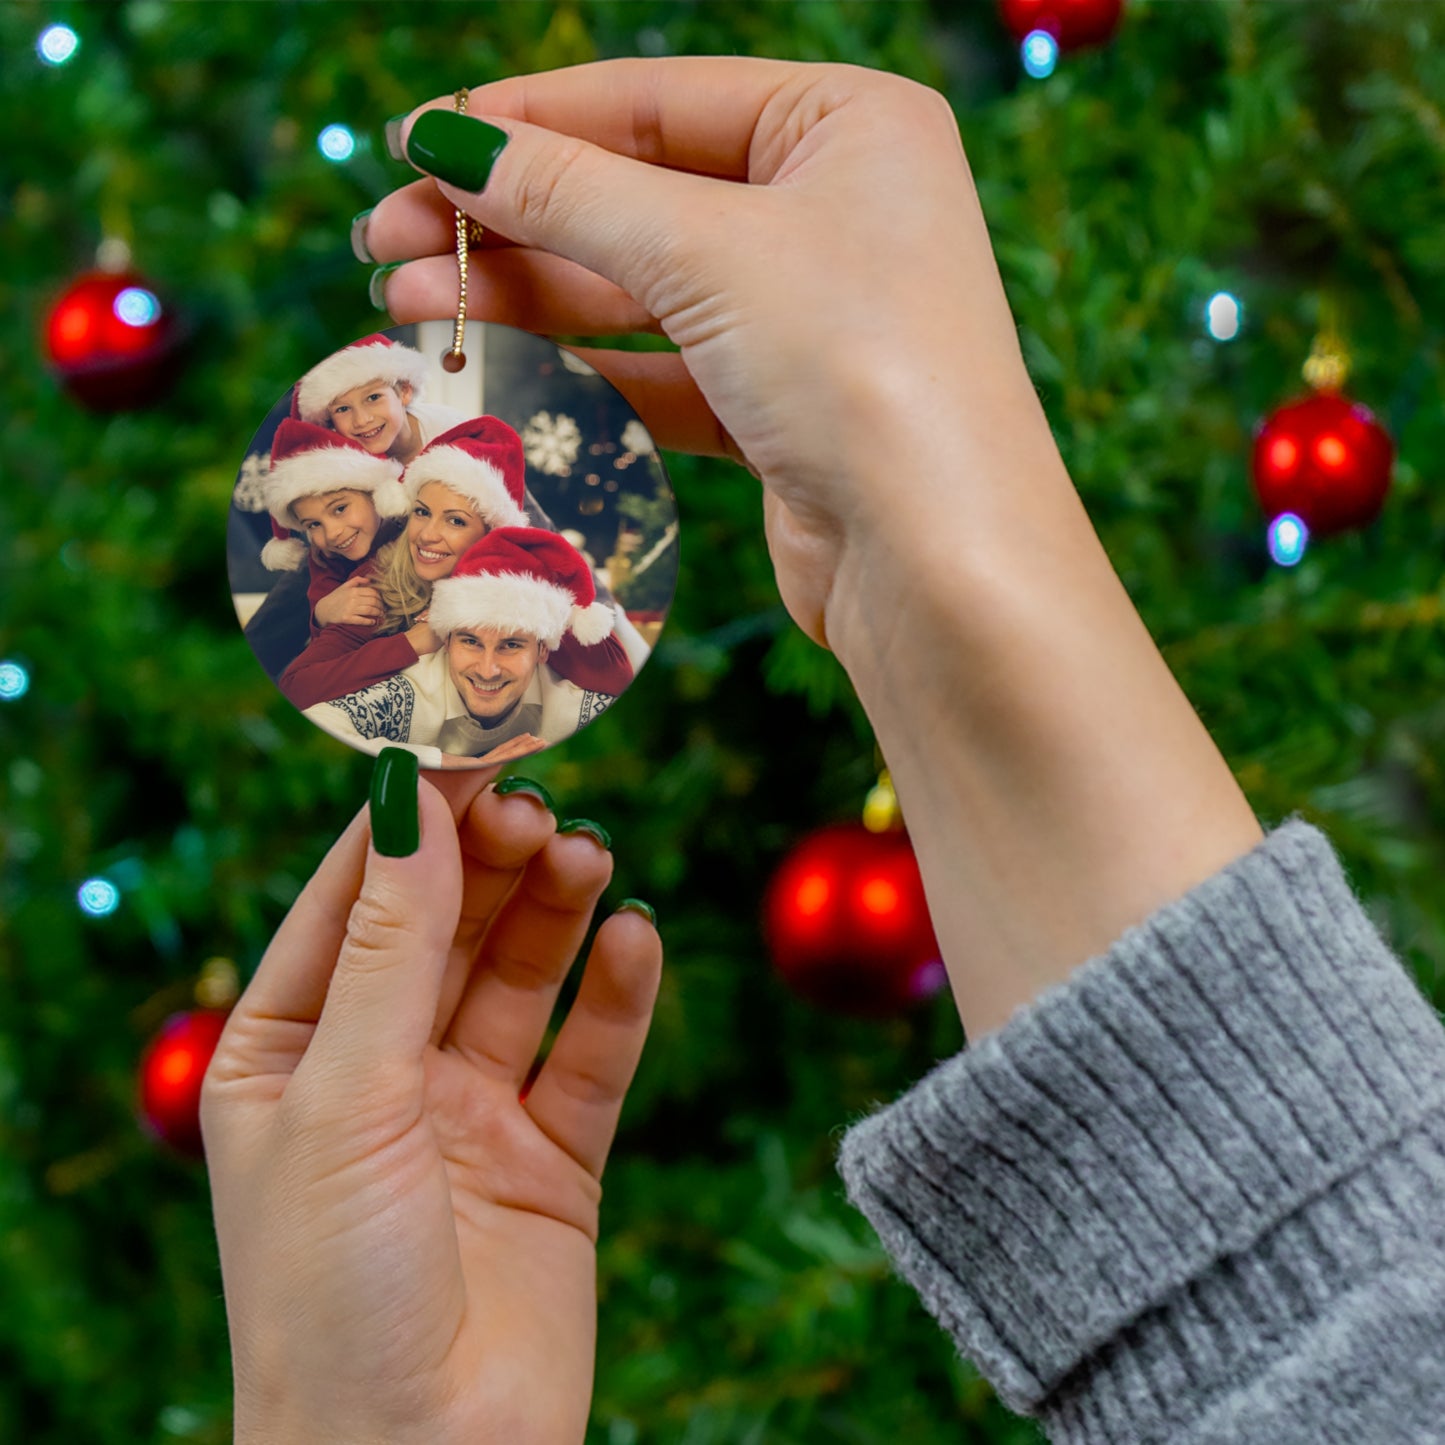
x=469, y=233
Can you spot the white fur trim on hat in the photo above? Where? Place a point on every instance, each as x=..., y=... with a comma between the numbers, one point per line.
x=478, y=481
x=344, y=466
x=589, y=625
x=287, y=556
x=355, y=366
x=505, y=601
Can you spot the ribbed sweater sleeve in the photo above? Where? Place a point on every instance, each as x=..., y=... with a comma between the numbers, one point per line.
x=1197, y=1191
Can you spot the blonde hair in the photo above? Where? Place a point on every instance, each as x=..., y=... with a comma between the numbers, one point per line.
x=403, y=594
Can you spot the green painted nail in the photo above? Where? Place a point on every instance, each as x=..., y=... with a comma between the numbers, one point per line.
x=395, y=813
x=636, y=905
x=455, y=148
x=392, y=132
x=532, y=789
x=593, y=830
x=377, y=288
x=358, y=237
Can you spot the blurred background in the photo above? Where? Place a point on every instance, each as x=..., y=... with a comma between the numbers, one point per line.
x=1187, y=207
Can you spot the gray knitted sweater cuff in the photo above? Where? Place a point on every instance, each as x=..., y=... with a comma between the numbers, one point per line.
x=1133, y=1198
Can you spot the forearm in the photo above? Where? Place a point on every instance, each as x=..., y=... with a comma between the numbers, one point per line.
x=1056, y=782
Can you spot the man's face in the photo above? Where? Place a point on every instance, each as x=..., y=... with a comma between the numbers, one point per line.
x=374, y=414
x=491, y=669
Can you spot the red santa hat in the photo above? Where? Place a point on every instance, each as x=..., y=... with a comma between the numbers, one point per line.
x=481, y=460
x=373, y=358
x=522, y=579
x=307, y=460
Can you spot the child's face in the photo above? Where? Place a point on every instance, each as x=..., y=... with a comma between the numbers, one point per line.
x=374, y=414
x=338, y=524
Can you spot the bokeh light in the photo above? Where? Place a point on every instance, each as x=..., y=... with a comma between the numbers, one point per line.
x=98, y=897
x=1040, y=52
x=336, y=143
x=137, y=307
x=1223, y=316
x=1288, y=538
x=14, y=681
x=57, y=44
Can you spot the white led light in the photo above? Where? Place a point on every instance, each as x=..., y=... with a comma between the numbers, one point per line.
x=336, y=143
x=137, y=307
x=14, y=681
x=1223, y=316
x=1288, y=538
x=98, y=897
x=57, y=44
x=1040, y=52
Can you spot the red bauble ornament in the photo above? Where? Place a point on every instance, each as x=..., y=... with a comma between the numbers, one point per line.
x=112, y=341
x=1073, y=23
x=1324, y=458
x=847, y=923
x=171, y=1071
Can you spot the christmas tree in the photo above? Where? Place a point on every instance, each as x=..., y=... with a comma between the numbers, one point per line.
x=1283, y=161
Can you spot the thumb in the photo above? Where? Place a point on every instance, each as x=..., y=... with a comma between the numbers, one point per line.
x=623, y=219
x=382, y=1000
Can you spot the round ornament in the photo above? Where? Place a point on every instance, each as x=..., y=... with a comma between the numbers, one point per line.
x=112, y=341
x=1325, y=459
x=171, y=1072
x=1074, y=24
x=847, y=923
x=471, y=561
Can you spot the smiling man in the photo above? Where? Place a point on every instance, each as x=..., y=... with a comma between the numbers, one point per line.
x=488, y=695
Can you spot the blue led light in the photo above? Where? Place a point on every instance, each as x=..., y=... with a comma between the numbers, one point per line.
x=336, y=143
x=137, y=307
x=1288, y=538
x=14, y=681
x=98, y=897
x=1040, y=52
x=1223, y=316
x=57, y=44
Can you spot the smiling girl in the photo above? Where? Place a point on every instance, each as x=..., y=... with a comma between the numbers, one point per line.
x=468, y=481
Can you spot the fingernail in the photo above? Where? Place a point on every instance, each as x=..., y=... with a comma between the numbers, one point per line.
x=593, y=830
x=377, y=288
x=395, y=815
x=358, y=237
x=636, y=905
x=455, y=148
x=531, y=789
x=393, y=137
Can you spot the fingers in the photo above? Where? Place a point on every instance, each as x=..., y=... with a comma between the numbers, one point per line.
x=578, y=1095
x=383, y=994
x=531, y=290
x=503, y=1012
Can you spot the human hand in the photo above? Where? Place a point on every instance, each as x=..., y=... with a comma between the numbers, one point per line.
x=354, y=603
x=514, y=748
x=422, y=638
x=841, y=321
x=407, y=1248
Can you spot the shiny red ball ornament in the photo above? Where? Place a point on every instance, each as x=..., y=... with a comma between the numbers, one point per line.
x=1324, y=458
x=171, y=1071
x=1073, y=23
x=847, y=924
x=112, y=341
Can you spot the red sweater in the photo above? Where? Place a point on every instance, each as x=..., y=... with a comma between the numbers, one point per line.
x=344, y=659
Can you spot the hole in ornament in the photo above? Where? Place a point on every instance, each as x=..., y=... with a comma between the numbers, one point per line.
x=453, y=361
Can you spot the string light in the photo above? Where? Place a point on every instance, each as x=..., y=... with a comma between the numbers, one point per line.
x=1288, y=538
x=1040, y=52
x=98, y=897
x=336, y=143
x=136, y=306
x=57, y=44
x=14, y=681
x=1223, y=316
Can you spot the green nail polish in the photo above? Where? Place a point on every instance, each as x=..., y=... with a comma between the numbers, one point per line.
x=593, y=830
x=636, y=905
x=358, y=237
x=395, y=813
x=392, y=132
x=508, y=786
x=377, y=288
x=455, y=148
